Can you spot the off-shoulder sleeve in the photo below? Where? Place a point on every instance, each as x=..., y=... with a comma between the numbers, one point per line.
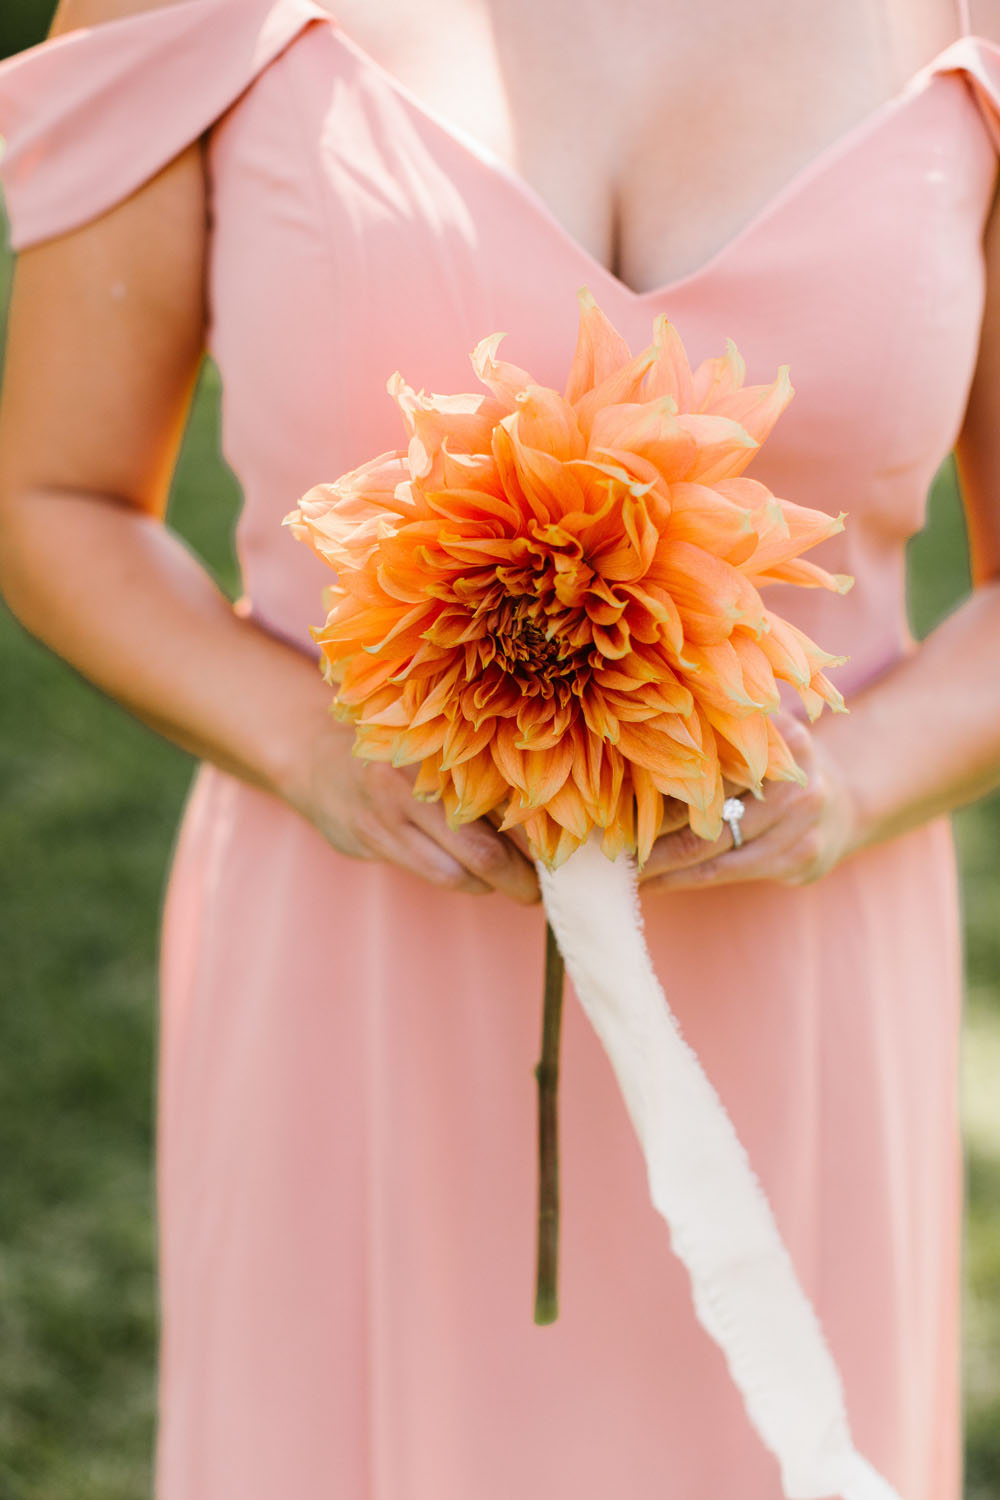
x=88, y=116
x=979, y=61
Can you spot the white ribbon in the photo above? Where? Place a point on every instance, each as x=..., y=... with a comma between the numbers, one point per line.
x=744, y=1286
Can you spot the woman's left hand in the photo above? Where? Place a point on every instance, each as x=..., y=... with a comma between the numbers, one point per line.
x=793, y=834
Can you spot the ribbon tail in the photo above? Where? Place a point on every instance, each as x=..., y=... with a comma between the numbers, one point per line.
x=744, y=1286
x=862, y=1482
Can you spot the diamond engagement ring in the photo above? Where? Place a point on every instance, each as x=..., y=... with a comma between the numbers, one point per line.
x=732, y=811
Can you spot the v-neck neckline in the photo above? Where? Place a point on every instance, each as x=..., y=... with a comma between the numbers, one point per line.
x=841, y=147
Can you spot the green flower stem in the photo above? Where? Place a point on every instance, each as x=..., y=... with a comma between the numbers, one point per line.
x=547, y=1074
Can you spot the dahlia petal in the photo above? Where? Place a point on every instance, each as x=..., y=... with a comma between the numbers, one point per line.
x=362, y=677
x=715, y=379
x=567, y=844
x=670, y=633
x=544, y=836
x=479, y=787
x=655, y=746
x=586, y=768
x=508, y=757
x=614, y=640
x=633, y=671
x=372, y=742
x=371, y=483
x=619, y=836
x=706, y=519
x=645, y=616
x=649, y=429
x=437, y=700
x=781, y=764
x=632, y=708
x=701, y=584
x=471, y=506
x=600, y=350
x=614, y=843
x=793, y=529
x=747, y=736
x=648, y=813
x=624, y=384
x=546, y=420
x=464, y=431
x=429, y=782
x=670, y=373
x=757, y=407
x=723, y=448
x=392, y=716
x=758, y=676
x=629, y=556
x=404, y=584
x=640, y=475
x=566, y=808
x=801, y=571
x=510, y=479
x=706, y=816
x=552, y=487
x=597, y=716
x=504, y=380
x=818, y=693
x=604, y=605
x=817, y=658
x=417, y=743
x=468, y=471
x=719, y=678
x=611, y=781
x=784, y=651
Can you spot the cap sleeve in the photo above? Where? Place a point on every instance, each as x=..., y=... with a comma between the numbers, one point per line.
x=979, y=61
x=88, y=116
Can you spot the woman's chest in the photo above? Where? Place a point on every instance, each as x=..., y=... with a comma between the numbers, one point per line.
x=652, y=131
x=355, y=233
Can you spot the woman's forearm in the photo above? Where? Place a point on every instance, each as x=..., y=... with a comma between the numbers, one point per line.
x=119, y=596
x=925, y=737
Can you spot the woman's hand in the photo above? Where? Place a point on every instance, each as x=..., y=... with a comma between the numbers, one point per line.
x=793, y=834
x=367, y=809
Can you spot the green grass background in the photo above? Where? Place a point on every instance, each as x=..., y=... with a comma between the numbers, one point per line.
x=89, y=801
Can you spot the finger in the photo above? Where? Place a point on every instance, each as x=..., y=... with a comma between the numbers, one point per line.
x=684, y=848
x=766, y=858
x=413, y=850
x=675, y=815
x=487, y=855
x=798, y=738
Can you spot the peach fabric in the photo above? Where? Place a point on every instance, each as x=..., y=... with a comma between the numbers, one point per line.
x=346, y=1147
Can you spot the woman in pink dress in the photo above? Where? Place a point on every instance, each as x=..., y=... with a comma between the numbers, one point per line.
x=346, y=1150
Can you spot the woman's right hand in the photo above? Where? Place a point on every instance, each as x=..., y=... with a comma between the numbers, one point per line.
x=367, y=809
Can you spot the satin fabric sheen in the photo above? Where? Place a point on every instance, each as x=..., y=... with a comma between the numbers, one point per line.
x=346, y=1109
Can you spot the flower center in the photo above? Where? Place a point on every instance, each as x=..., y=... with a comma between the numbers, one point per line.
x=540, y=662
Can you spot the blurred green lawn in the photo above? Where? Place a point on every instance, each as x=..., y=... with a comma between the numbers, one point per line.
x=89, y=801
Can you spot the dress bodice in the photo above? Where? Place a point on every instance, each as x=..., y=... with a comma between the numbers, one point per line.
x=354, y=232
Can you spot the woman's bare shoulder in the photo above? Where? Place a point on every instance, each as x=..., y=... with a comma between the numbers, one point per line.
x=72, y=14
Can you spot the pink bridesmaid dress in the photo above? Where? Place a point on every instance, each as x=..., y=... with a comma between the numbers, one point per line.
x=346, y=1111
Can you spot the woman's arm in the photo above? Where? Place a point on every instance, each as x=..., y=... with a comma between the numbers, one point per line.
x=105, y=340
x=921, y=740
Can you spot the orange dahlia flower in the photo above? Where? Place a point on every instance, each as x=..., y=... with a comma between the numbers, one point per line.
x=551, y=601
